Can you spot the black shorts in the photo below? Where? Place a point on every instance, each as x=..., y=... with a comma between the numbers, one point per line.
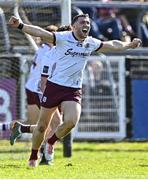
x=54, y=94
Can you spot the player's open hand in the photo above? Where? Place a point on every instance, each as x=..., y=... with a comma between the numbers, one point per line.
x=135, y=43
x=14, y=22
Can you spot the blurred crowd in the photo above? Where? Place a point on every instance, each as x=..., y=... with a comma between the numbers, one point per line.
x=113, y=23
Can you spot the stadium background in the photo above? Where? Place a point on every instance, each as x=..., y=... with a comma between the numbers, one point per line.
x=113, y=109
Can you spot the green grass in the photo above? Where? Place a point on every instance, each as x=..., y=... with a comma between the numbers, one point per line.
x=89, y=161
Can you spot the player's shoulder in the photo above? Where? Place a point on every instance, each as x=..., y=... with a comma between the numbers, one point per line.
x=92, y=39
x=44, y=47
x=63, y=34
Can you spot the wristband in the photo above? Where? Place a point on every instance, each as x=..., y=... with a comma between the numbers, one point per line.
x=21, y=25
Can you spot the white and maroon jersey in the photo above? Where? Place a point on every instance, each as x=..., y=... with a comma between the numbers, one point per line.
x=33, y=82
x=47, y=64
x=70, y=58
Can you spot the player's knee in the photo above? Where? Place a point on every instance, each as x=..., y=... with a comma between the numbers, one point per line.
x=42, y=128
x=70, y=124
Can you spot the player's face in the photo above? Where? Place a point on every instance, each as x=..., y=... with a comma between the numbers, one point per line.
x=81, y=27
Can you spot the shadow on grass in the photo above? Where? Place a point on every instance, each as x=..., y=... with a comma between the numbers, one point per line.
x=143, y=165
x=9, y=166
x=80, y=150
x=91, y=149
x=110, y=150
x=15, y=151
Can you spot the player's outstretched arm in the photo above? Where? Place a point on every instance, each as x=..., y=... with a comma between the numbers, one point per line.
x=31, y=29
x=116, y=45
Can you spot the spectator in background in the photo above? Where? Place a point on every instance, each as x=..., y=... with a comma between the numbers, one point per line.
x=144, y=29
x=92, y=74
x=112, y=24
x=132, y=15
x=138, y=21
x=94, y=31
x=127, y=30
x=109, y=25
x=91, y=78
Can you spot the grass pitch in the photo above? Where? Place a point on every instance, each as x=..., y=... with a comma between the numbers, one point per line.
x=89, y=161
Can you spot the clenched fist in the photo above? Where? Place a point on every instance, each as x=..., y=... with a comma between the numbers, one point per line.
x=135, y=43
x=14, y=22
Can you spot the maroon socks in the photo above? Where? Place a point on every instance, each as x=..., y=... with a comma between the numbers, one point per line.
x=25, y=128
x=53, y=139
x=34, y=154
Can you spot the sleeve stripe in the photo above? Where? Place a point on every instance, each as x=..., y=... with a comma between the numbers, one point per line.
x=54, y=39
x=44, y=75
x=99, y=47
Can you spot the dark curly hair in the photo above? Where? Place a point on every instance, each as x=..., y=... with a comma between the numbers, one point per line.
x=64, y=28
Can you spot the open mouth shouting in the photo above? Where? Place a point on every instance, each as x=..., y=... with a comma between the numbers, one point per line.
x=85, y=30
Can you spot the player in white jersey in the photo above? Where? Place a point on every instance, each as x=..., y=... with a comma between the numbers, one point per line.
x=39, y=72
x=32, y=86
x=65, y=83
x=33, y=94
x=32, y=90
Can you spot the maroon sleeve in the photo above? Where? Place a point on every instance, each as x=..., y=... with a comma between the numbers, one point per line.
x=44, y=75
x=54, y=39
x=99, y=47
